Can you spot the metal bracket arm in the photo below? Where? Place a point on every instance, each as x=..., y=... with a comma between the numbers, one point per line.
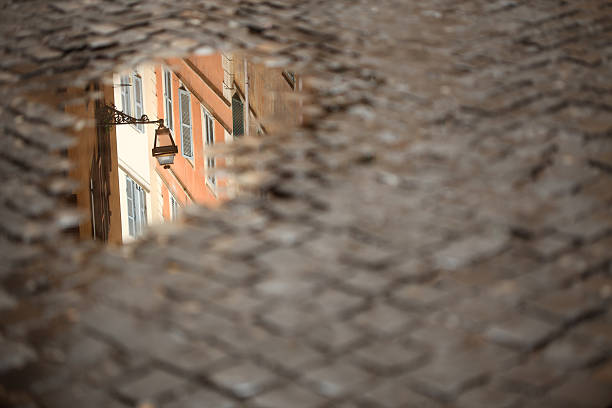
x=108, y=116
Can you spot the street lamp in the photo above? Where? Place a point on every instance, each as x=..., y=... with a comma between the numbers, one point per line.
x=164, y=147
x=165, y=151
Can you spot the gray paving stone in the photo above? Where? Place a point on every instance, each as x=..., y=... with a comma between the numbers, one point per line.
x=151, y=385
x=458, y=367
x=334, y=338
x=489, y=396
x=390, y=356
x=397, y=393
x=551, y=245
x=470, y=249
x=337, y=379
x=567, y=305
x=383, y=319
x=521, y=332
x=292, y=354
x=291, y=395
x=291, y=318
x=192, y=357
x=338, y=303
x=245, y=380
x=202, y=397
x=419, y=296
x=15, y=355
x=367, y=283
x=574, y=352
x=583, y=391
x=598, y=328
x=79, y=395
x=532, y=377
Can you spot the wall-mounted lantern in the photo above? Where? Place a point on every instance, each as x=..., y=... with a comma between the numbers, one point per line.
x=164, y=147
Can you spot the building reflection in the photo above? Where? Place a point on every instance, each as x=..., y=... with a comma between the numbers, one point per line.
x=206, y=102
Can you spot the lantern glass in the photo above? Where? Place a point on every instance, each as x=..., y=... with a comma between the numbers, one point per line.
x=165, y=160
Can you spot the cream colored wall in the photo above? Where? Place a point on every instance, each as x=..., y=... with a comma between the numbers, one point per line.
x=134, y=149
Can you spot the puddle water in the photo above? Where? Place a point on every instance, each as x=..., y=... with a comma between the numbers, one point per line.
x=158, y=137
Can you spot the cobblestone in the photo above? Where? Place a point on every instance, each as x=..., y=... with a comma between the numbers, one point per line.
x=521, y=332
x=151, y=387
x=436, y=234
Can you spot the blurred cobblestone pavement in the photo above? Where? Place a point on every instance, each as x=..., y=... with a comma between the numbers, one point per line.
x=440, y=235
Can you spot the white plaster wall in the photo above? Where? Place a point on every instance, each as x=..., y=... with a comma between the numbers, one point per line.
x=134, y=147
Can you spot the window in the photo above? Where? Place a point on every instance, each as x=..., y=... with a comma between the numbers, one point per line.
x=209, y=134
x=290, y=78
x=138, y=110
x=131, y=97
x=185, y=108
x=237, y=116
x=168, y=99
x=126, y=100
x=136, y=206
x=174, y=207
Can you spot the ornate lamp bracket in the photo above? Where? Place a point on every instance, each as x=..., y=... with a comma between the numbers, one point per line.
x=110, y=116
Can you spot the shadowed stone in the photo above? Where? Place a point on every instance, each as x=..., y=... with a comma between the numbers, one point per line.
x=14, y=355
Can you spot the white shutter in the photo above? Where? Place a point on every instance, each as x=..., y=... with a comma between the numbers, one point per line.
x=209, y=126
x=142, y=210
x=237, y=116
x=136, y=207
x=138, y=103
x=129, y=184
x=168, y=98
x=126, y=102
x=185, y=108
x=173, y=207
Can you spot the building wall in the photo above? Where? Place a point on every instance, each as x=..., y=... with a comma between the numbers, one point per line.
x=202, y=77
x=95, y=149
x=274, y=105
x=134, y=147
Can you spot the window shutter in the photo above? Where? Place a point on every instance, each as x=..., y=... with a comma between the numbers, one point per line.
x=173, y=207
x=237, y=116
x=210, y=140
x=130, y=206
x=185, y=108
x=168, y=98
x=142, y=209
x=209, y=129
x=138, y=110
x=126, y=103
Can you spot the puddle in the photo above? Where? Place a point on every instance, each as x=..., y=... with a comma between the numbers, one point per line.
x=158, y=138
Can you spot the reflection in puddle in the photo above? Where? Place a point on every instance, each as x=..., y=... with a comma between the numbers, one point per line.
x=205, y=102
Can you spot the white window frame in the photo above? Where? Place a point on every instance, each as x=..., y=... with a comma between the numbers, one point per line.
x=126, y=97
x=132, y=97
x=168, y=107
x=208, y=130
x=174, y=207
x=136, y=199
x=138, y=95
x=183, y=126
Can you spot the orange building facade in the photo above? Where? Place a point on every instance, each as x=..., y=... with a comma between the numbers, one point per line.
x=191, y=101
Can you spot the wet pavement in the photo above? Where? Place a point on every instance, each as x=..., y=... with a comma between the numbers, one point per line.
x=438, y=233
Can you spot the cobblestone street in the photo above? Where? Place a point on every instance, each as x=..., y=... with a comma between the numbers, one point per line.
x=437, y=234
